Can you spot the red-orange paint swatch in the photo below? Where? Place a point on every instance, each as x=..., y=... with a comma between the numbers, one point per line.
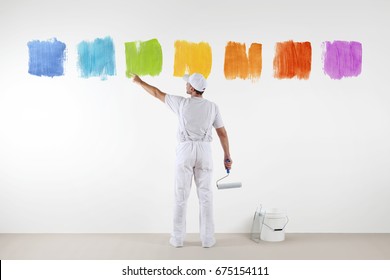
x=292, y=59
x=239, y=65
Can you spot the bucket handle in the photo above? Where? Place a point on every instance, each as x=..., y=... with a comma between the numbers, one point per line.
x=277, y=229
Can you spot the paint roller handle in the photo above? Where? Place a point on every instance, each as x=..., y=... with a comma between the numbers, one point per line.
x=227, y=168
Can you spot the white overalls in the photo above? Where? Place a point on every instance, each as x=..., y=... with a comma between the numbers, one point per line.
x=194, y=160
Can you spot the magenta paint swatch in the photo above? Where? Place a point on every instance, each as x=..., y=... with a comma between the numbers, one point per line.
x=342, y=59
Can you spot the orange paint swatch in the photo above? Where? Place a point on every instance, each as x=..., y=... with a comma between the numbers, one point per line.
x=292, y=59
x=236, y=61
x=239, y=65
x=192, y=58
x=255, y=61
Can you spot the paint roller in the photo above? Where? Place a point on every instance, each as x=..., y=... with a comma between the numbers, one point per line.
x=222, y=186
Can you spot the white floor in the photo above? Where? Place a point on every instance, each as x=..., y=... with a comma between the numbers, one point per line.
x=156, y=247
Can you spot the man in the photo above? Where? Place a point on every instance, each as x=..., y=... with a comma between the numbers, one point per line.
x=196, y=117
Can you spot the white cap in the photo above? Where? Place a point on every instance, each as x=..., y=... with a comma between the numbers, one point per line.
x=197, y=81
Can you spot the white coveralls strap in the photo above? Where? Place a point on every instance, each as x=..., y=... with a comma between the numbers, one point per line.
x=185, y=136
x=194, y=160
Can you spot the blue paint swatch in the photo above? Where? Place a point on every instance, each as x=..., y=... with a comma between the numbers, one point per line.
x=46, y=58
x=97, y=58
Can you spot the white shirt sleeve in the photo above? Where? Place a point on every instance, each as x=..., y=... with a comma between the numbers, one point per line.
x=218, y=123
x=173, y=102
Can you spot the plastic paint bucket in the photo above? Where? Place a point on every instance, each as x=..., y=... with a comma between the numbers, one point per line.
x=274, y=223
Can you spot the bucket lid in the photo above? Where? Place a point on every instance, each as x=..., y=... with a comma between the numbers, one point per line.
x=275, y=211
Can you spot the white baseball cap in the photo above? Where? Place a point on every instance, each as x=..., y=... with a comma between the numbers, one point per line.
x=197, y=81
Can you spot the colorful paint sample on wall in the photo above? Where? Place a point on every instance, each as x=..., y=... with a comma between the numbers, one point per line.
x=46, y=58
x=255, y=60
x=143, y=58
x=192, y=58
x=236, y=61
x=292, y=59
x=342, y=59
x=239, y=65
x=97, y=58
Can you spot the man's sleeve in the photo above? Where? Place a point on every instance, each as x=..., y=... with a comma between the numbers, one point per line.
x=218, y=123
x=173, y=102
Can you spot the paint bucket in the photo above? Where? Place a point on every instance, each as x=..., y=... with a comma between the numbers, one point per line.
x=274, y=223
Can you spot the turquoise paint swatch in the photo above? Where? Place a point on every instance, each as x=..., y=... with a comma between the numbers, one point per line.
x=97, y=58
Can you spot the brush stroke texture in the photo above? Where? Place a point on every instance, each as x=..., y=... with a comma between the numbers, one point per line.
x=239, y=65
x=46, y=58
x=192, y=58
x=255, y=57
x=236, y=61
x=143, y=58
x=342, y=59
x=97, y=58
x=292, y=59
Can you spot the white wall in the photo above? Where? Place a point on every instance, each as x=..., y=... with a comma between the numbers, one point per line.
x=85, y=155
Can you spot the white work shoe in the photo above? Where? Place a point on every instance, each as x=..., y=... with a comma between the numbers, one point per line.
x=175, y=243
x=209, y=243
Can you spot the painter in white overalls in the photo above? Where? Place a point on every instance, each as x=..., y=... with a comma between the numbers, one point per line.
x=197, y=117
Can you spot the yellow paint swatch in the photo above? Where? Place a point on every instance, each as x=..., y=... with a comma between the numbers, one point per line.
x=239, y=65
x=192, y=58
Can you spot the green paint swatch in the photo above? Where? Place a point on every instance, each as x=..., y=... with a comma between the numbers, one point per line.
x=143, y=58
